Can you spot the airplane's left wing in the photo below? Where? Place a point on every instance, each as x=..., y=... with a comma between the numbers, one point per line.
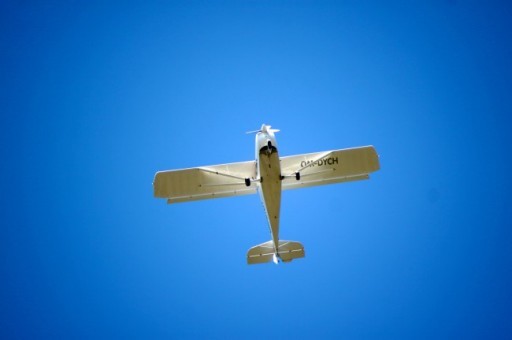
x=335, y=166
x=205, y=182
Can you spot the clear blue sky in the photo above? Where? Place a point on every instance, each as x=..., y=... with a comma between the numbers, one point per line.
x=95, y=98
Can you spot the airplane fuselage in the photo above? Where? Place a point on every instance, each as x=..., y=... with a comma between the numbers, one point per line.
x=269, y=175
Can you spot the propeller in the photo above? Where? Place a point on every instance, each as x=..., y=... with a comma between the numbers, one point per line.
x=264, y=128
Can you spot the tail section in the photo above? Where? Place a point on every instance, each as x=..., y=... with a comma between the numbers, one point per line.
x=289, y=250
x=265, y=252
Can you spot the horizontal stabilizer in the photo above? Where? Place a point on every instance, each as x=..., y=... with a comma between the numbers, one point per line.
x=286, y=252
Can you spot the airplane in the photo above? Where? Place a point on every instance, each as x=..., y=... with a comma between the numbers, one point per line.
x=268, y=175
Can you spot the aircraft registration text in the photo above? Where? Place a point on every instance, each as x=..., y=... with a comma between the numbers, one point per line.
x=321, y=162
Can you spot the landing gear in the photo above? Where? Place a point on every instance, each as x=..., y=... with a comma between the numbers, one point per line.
x=248, y=182
x=297, y=176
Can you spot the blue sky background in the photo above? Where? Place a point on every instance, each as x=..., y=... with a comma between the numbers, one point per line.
x=96, y=98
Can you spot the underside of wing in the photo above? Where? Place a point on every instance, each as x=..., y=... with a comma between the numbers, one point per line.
x=328, y=167
x=205, y=182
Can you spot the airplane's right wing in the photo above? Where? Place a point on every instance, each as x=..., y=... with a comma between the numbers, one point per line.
x=205, y=182
x=328, y=167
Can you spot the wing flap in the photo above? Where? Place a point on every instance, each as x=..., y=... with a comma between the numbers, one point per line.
x=329, y=167
x=205, y=182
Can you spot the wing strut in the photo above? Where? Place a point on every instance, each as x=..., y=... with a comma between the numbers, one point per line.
x=247, y=181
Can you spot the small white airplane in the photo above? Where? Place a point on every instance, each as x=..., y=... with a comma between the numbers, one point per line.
x=268, y=175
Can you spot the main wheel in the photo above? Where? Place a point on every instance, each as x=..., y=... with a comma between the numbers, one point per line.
x=248, y=182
